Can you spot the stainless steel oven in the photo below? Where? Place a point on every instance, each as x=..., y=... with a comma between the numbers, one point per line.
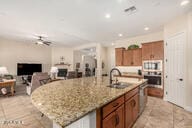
x=142, y=96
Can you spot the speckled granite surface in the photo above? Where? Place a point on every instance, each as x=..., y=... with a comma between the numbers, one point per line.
x=68, y=100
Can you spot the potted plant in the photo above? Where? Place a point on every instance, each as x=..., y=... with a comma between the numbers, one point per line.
x=133, y=46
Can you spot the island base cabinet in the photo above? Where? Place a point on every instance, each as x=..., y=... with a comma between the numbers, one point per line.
x=88, y=121
x=115, y=119
x=131, y=111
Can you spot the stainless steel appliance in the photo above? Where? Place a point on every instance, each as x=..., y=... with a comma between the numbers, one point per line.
x=152, y=66
x=154, y=79
x=142, y=96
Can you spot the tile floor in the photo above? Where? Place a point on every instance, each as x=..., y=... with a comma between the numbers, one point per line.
x=161, y=114
x=157, y=114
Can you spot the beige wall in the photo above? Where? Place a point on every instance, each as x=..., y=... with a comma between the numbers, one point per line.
x=183, y=24
x=104, y=59
x=125, y=43
x=67, y=53
x=12, y=52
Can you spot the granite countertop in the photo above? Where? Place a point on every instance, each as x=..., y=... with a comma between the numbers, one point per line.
x=66, y=101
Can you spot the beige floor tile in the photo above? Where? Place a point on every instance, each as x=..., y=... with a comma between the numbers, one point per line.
x=141, y=122
x=158, y=123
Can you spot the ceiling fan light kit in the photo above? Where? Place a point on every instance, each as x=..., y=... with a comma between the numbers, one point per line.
x=40, y=41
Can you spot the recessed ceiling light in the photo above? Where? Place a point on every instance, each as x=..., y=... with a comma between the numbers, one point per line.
x=146, y=28
x=184, y=2
x=120, y=35
x=112, y=44
x=107, y=15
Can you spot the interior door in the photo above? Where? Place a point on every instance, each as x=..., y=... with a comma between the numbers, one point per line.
x=175, y=69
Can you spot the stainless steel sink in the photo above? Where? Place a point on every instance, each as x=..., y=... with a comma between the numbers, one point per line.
x=120, y=85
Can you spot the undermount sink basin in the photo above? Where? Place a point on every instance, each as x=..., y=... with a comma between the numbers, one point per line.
x=120, y=85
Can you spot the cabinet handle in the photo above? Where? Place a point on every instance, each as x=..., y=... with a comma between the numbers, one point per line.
x=115, y=104
x=116, y=119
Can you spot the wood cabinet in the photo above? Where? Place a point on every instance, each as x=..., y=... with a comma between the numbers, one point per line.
x=153, y=51
x=121, y=112
x=137, y=57
x=119, y=56
x=115, y=119
x=109, y=121
x=132, y=57
x=131, y=111
x=127, y=58
x=157, y=92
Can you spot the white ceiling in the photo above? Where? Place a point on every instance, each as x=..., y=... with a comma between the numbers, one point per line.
x=77, y=22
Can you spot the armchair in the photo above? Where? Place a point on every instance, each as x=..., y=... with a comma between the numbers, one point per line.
x=36, y=81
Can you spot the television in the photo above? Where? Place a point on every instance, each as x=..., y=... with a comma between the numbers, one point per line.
x=28, y=69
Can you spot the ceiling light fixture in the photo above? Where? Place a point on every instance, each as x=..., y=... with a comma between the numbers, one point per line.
x=146, y=28
x=39, y=42
x=184, y=2
x=107, y=15
x=120, y=35
x=112, y=44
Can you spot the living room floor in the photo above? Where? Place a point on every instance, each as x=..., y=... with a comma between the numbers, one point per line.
x=157, y=114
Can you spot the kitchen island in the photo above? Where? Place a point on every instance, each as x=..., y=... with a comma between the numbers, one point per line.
x=77, y=103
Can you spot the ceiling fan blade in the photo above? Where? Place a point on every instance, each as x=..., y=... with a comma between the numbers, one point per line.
x=47, y=42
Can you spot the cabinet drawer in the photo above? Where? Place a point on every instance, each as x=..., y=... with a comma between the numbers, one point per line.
x=155, y=92
x=131, y=93
x=112, y=106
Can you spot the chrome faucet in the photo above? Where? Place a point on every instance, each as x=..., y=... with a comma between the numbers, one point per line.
x=111, y=74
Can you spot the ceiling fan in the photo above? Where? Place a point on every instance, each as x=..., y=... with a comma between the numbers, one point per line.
x=41, y=41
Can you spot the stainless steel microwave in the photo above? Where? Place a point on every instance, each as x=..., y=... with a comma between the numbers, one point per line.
x=153, y=65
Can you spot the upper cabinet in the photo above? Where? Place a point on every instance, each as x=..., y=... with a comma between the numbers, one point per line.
x=149, y=51
x=137, y=57
x=153, y=51
x=119, y=56
x=128, y=57
x=132, y=57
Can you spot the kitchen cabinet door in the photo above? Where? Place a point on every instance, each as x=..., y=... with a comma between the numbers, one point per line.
x=135, y=106
x=120, y=117
x=157, y=50
x=137, y=57
x=119, y=56
x=128, y=114
x=147, y=51
x=110, y=121
x=131, y=111
x=128, y=58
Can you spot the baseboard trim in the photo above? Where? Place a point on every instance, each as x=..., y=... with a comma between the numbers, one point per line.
x=188, y=108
